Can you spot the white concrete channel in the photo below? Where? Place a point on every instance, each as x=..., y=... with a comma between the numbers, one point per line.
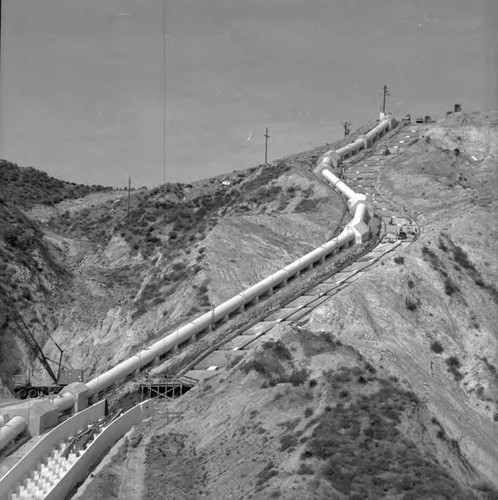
x=44, y=414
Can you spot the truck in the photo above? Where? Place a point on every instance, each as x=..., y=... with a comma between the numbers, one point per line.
x=25, y=388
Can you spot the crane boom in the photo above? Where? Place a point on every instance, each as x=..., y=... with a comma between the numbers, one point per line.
x=35, y=347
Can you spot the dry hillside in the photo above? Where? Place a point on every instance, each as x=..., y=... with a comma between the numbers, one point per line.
x=388, y=390
x=145, y=265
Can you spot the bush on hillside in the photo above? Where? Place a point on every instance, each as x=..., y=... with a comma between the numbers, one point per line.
x=437, y=347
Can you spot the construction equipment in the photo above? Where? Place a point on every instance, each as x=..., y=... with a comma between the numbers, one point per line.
x=23, y=387
x=401, y=234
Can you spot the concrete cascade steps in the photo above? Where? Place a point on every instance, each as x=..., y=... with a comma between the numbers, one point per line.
x=47, y=475
x=41, y=481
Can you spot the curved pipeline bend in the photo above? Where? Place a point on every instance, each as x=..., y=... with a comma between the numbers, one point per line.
x=354, y=229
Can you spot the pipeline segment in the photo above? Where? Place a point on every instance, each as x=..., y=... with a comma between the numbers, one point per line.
x=356, y=230
x=220, y=312
x=13, y=428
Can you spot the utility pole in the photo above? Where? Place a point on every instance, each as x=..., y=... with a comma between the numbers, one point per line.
x=386, y=93
x=129, y=193
x=267, y=136
x=164, y=89
x=347, y=128
x=0, y=42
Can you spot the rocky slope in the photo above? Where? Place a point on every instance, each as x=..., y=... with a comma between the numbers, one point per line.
x=388, y=390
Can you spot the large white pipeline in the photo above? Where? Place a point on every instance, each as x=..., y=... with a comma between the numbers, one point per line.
x=357, y=205
x=191, y=329
x=13, y=428
x=169, y=342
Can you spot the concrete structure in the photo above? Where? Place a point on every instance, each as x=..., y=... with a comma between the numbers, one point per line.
x=49, y=446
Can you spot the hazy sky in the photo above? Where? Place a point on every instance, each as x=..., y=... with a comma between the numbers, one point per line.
x=81, y=82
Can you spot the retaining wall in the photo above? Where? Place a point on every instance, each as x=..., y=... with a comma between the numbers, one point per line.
x=79, y=471
x=17, y=474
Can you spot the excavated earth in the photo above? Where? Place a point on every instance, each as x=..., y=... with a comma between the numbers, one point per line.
x=387, y=390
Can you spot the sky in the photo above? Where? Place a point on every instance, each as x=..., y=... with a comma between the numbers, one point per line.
x=97, y=91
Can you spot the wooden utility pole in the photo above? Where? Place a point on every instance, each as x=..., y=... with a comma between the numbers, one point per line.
x=267, y=136
x=0, y=40
x=347, y=128
x=129, y=193
x=386, y=93
x=164, y=89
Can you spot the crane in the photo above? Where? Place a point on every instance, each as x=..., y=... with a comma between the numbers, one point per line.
x=64, y=376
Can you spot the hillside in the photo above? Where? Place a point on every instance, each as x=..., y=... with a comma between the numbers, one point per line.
x=180, y=249
x=387, y=390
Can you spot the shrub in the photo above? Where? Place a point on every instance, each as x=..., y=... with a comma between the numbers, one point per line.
x=437, y=347
x=258, y=365
x=399, y=259
x=318, y=343
x=279, y=349
x=370, y=368
x=267, y=473
x=298, y=377
x=305, y=469
x=480, y=282
x=308, y=411
x=411, y=304
x=450, y=287
x=307, y=205
x=288, y=441
x=453, y=364
x=442, y=245
x=462, y=258
x=453, y=361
